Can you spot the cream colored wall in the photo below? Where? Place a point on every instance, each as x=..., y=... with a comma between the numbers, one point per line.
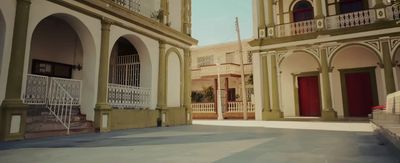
x=350, y=58
x=198, y=85
x=175, y=14
x=54, y=40
x=88, y=30
x=173, y=81
x=296, y=63
x=7, y=9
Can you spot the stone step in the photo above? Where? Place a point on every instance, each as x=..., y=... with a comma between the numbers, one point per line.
x=48, y=126
x=51, y=118
x=52, y=133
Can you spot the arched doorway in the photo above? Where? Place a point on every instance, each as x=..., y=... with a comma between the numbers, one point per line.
x=128, y=75
x=300, y=85
x=357, y=83
x=396, y=60
x=303, y=10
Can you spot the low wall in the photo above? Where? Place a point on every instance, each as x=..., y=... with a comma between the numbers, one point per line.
x=126, y=119
x=205, y=116
x=175, y=116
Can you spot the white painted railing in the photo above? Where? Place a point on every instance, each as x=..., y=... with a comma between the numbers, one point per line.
x=393, y=103
x=123, y=96
x=237, y=107
x=353, y=19
x=135, y=6
x=72, y=86
x=36, y=89
x=203, y=107
x=296, y=28
x=393, y=12
x=60, y=103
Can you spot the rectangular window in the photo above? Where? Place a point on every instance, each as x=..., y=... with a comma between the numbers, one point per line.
x=51, y=69
x=205, y=61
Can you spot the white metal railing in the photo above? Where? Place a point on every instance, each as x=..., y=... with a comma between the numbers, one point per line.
x=72, y=86
x=60, y=103
x=393, y=12
x=352, y=19
x=393, y=103
x=125, y=70
x=36, y=89
x=237, y=107
x=203, y=107
x=123, y=96
x=135, y=6
x=296, y=28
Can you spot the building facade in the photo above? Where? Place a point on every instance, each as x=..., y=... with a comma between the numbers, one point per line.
x=217, y=68
x=115, y=63
x=329, y=59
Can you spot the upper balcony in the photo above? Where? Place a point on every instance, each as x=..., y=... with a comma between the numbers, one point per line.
x=137, y=6
x=350, y=22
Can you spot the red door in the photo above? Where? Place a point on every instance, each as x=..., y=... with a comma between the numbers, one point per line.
x=359, y=94
x=309, y=101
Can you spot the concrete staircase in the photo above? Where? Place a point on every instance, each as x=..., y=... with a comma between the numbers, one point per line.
x=40, y=123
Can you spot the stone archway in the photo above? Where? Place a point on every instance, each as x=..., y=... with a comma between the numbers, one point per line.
x=293, y=69
x=352, y=75
x=174, y=78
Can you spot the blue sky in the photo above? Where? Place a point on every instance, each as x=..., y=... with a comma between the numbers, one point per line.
x=214, y=20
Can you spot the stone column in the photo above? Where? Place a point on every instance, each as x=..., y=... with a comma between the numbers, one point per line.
x=275, y=112
x=327, y=112
x=188, y=88
x=162, y=83
x=164, y=6
x=186, y=22
x=13, y=111
x=270, y=20
x=261, y=19
x=103, y=109
x=265, y=86
x=319, y=15
x=379, y=4
x=388, y=67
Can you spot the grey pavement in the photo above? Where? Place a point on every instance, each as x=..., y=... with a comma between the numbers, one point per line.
x=198, y=143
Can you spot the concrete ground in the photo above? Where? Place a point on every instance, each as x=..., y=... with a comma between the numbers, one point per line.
x=271, y=142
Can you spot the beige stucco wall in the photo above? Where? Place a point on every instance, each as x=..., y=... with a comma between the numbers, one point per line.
x=125, y=119
x=175, y=14
x=173, y=81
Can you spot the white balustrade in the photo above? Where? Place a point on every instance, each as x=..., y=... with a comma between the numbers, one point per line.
x=237, y=107
x=393, y=12
x=60, y=103
x=352, y=19
x=296, y=28
x=36, y=90
x=123, y=96
x=393, y=103
x=135, y=6
x=203, y=107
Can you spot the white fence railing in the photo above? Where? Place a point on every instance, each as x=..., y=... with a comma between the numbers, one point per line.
x=203, y=107
x=393, y=103
x=393, y=12
x=37, y=89
x=352, y=19
x=60, y=103
x=123, y=96
x=237, y=107
x=135, y=6
x=296, y=28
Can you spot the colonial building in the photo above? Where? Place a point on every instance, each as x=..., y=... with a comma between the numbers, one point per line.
x=73, y=66
x=215, y=64
x=324, y=58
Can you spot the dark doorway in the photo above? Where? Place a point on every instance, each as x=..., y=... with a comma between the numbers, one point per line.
x=309, y=97
x=359, y=92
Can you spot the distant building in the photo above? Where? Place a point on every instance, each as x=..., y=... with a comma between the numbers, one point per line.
x=93, y=65
x=224, y=60
x=328, y=59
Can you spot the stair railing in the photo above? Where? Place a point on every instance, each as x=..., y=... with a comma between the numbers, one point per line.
x=59, y=103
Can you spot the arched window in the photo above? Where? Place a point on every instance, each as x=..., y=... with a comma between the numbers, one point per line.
x=347, y=6
x=303, y=10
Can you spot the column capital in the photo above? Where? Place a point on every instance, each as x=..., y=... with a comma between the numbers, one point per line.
x=105, y=24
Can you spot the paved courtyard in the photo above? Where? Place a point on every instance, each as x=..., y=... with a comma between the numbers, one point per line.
x=270, y=142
